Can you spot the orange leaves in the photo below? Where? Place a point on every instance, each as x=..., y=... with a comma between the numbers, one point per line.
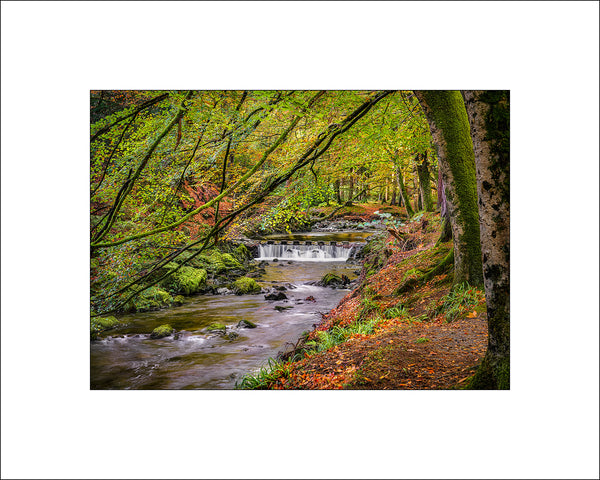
x=473, y=314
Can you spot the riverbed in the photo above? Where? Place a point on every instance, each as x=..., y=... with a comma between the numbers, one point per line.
x=126, y=358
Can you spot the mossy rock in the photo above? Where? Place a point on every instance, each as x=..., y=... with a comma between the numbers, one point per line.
x=216, y=327
x=218, y=262
x=100, y=324
x=153, y=298
x=246, y=324
x=186, y=280
x=330, y=279
x=162, y=331
x=179, y=300
x=242, y=253
x=245, y=286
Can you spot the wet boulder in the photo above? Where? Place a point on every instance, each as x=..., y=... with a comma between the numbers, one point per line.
x=281, y=308
x=334, y=281
x=161, y=332
x=246, y=324
x=276, y=296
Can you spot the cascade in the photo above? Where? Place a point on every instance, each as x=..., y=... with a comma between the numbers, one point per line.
x=307, y=252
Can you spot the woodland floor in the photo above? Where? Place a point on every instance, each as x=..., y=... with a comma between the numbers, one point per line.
x=424, y=349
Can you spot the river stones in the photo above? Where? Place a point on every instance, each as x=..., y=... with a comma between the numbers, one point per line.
x=223, y=291
x=276, y=296
x=246, y=324
x=161, y=332
x=280, y=288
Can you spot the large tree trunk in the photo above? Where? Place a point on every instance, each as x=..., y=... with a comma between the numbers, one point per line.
x=449, y=125
x=403, y=194
x=490, y=121
x=423, y=172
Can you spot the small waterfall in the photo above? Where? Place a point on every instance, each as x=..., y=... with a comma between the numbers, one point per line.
x=311, y=252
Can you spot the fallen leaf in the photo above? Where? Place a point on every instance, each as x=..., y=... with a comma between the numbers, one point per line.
x=473, y=314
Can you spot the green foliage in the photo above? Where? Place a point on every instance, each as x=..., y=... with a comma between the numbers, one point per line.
x=336, y=335
x=422, y=340
x=265, y=375
x=396, y=312
x=245, y=286
x=461, y=299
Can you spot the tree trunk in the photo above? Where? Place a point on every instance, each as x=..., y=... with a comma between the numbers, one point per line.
x=336, y=187
x=449, y=125
x=446, y=234
x=404, y=195
x=350, y=188
x=423, y=172
x=490, y=122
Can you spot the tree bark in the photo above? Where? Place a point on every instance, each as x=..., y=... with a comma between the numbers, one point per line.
x=449, y=125
x=424, y=182
x=403, y=194
x=336, y=187
x=490, y=126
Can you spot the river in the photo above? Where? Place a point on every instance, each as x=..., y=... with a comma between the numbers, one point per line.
x=126, y=358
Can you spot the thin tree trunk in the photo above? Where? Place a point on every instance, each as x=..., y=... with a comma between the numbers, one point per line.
x=336, y=186
x=409, y=211
x=423, y=172
x=449, y=125
x=489, y=116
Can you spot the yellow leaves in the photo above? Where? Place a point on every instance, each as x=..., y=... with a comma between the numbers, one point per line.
x=473, y=314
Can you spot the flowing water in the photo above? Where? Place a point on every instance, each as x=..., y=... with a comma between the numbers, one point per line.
x=126, y=358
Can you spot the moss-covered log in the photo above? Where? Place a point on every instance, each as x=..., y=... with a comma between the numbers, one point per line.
x=449, y=125
x=489, y=117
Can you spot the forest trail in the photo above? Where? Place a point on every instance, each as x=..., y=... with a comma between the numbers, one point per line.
x=432, y=336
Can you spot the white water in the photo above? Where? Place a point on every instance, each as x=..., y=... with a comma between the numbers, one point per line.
x=306, y=253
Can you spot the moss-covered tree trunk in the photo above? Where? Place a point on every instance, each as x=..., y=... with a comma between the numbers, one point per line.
x=424, y=182
x=490, y=121
x=449, y=125
x=403, y=194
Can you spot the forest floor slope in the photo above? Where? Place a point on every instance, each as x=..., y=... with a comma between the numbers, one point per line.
x=425, y=336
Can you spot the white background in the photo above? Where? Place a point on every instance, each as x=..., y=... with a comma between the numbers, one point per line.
x=53, y=53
